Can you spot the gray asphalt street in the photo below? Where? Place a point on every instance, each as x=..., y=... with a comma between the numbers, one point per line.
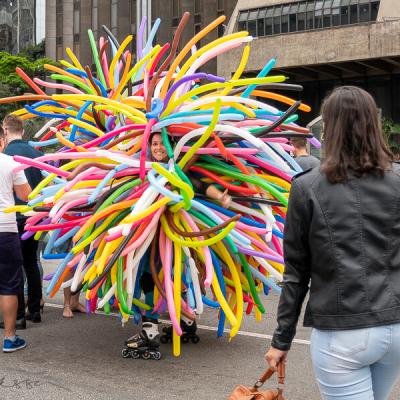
x=80, y=358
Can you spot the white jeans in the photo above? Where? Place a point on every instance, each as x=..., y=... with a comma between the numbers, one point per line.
x=356, y=364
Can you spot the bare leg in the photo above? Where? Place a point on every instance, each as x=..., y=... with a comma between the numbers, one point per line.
x=9, y=305
x=76, y=305
x=67, y=313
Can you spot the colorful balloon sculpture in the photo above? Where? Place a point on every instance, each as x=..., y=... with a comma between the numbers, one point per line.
x=101, y=194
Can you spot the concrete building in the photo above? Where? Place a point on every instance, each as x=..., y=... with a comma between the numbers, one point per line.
x=67, y=22
x=17, y=25
x=322, y=44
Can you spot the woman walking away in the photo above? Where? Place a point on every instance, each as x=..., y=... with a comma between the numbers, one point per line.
x=342, y=236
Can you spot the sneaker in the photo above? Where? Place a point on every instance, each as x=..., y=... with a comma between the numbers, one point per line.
x=20, y=324
x=9, y=346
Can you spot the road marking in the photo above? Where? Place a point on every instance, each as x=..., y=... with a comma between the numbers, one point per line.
x=203, y=327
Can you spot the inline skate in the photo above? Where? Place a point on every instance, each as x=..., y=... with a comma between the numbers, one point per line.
x=189, y=329
x=145, y=344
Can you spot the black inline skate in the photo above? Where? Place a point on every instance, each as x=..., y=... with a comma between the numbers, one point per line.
x=145, y=344
x=189, y=329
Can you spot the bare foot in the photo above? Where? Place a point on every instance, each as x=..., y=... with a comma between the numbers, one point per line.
x=67, y=313
x=78, y=308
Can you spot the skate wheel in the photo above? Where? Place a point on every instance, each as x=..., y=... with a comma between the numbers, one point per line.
x=125, y=353
x=146, y=355
x=195, y=339
x=164, y=339
x=135, y=355
x=184, y=339
x=156, y=355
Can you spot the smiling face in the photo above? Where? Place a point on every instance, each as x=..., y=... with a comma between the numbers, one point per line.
x=157, y=148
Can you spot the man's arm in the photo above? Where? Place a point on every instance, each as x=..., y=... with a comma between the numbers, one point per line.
x=22, y=191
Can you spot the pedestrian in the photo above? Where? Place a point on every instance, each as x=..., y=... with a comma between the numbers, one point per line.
x=13, y=128
x=10, y=250
x=305, y=160
x=146, y=343
x=342, y=236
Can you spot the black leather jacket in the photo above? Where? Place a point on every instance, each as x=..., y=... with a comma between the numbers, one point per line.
x=344, y=239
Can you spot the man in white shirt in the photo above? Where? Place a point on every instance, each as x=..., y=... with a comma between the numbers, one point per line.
x=10, y=248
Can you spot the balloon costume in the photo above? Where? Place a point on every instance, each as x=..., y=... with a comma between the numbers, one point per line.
x=101, y=194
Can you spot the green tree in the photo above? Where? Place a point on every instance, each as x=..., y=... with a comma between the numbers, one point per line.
x=34, y=52
x=391, y=131
x=11, y=84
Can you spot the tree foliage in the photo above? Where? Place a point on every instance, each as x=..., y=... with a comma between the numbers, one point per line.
x=31, y=61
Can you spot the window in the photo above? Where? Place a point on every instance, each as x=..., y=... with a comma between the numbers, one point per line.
x=293, y=17
x=261, y=22
x=327, y=14
x=252, y=22
x=242, y=23
x=374, y=10
x=306, y=15
x=285, y=19
x=277, y=19
x=301, y=21
x=344, y=15
x=318, y=14
x=336, y=16
x=353, y=12
x=364, y=10
x=252, y=15
x=269, y=21
x=292, y=22
x=310, y=15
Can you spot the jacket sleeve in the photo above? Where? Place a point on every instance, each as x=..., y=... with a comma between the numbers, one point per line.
x=297, y=268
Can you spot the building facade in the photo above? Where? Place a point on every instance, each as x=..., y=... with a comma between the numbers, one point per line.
x=322, y=44
x=17, y=25
x=67, y=22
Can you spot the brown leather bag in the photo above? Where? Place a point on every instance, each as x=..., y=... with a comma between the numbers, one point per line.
x=242, y=392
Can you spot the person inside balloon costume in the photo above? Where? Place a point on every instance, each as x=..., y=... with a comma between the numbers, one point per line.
x=166, y=227
x=147, y=341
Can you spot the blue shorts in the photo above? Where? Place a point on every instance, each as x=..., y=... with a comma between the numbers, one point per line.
x=11, y=276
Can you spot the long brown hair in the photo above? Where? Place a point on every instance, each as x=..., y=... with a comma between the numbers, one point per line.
x=353, y=139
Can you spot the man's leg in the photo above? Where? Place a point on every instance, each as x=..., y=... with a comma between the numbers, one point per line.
x=29, y=252
x=9, y=306
x=10, y=283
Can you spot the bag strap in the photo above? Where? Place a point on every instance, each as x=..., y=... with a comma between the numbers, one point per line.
x=268, y=373
x=281, y=373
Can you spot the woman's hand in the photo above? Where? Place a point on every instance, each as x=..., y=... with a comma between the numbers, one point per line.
x=225, y=199
x=274, y=357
